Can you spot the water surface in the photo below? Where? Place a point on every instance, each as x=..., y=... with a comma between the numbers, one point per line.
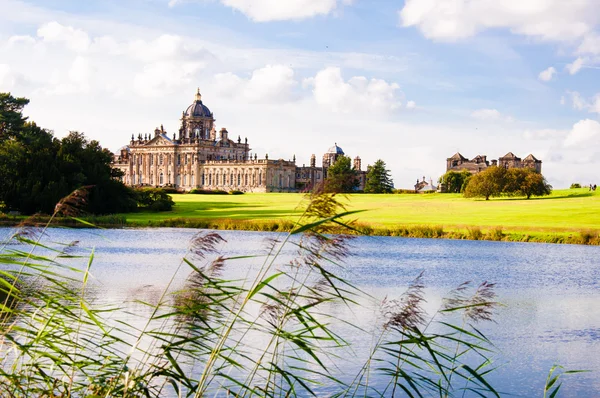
x=551, y=293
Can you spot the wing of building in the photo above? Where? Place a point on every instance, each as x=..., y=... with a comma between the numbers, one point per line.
x=199, y=157
x=458, y=162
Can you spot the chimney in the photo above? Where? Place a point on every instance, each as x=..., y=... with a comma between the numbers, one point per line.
x=224, y=134
x=313, y=160
x=357, y=163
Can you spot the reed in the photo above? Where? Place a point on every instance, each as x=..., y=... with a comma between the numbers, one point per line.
x=196, y=340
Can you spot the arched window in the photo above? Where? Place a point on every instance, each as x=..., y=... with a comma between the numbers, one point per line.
x=203, y=179
x=178, y=159
x=210, y=179
x=192, y=182
x=185, y=179
x=239, y=181
x=161, y=180
x=178, y=180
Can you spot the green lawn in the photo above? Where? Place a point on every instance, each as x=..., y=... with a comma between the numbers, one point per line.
x=563, y=211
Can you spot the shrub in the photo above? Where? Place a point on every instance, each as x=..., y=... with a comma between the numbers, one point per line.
x=575, y=185
x=154, y=199
x=496, y=234
x=236, y=192
x=474, y=233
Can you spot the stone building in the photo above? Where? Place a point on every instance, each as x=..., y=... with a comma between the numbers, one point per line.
x=200, y=157
x=458, y=162
x=308, y=177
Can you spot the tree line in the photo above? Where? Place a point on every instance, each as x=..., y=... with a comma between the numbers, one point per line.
x=37, y=169
x=496, y=181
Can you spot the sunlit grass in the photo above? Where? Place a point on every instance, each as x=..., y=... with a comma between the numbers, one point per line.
x=563, y=212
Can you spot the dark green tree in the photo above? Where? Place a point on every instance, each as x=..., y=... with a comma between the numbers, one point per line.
x=454, y=181
x=378, y=178
x=341, y=177
x=11, y=115
x=526, y=182
x=37, y=170
x=487, y=183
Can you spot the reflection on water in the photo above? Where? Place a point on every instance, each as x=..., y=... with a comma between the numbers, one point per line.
x=550, y=292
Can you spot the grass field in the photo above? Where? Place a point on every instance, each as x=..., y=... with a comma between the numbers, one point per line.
x=563, y=213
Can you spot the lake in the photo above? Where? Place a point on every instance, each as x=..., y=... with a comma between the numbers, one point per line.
x=550, y=293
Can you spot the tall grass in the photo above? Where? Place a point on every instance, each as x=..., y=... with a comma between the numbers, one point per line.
x=200, y=339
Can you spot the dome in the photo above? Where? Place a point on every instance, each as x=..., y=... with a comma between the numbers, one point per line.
x=336, y=150
x=198, y=109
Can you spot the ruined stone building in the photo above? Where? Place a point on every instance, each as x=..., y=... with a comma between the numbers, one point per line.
x=200, y=157
x=458, y=162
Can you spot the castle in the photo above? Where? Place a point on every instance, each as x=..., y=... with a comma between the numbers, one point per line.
x=200, y=158
x=458, y=162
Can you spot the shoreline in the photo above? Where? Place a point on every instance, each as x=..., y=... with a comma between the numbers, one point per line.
x=582, y=237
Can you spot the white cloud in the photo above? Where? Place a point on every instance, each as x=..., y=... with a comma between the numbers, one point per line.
x=490, y=115
x=271, y=84
x=580, y=103
x=575, y=66
x=161, y=78
x=7, y=79
x=583, y=132
x=357, y=95
x=75, y=39
x=547, y=74
x=595, y=105
x=20, y=40
x=556, y=20
x=411, y=105
x=544, y=134
x=590, y=44
x=279, y=10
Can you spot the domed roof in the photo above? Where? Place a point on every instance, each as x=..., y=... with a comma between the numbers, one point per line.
x=336, y=149
x=198, y=109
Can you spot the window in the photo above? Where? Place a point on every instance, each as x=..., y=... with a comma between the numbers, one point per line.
x=192, y=180
x=178, y=159
x=161, y=177
x=178, y=180
x=187, y=158
x=203, y=179
x=161, y=160
x=239, y=179
x=210, y=179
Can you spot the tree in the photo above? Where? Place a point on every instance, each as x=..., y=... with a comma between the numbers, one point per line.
x=37, y=170
x=455, y=181
x=341, y=177
x=487, y=183
x=378, y=178
x=11, y=116
x=526, y=182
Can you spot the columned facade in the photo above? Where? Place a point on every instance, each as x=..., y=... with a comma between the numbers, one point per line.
x=199, y=157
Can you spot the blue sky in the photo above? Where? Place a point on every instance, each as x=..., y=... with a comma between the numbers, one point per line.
x=409, y=82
